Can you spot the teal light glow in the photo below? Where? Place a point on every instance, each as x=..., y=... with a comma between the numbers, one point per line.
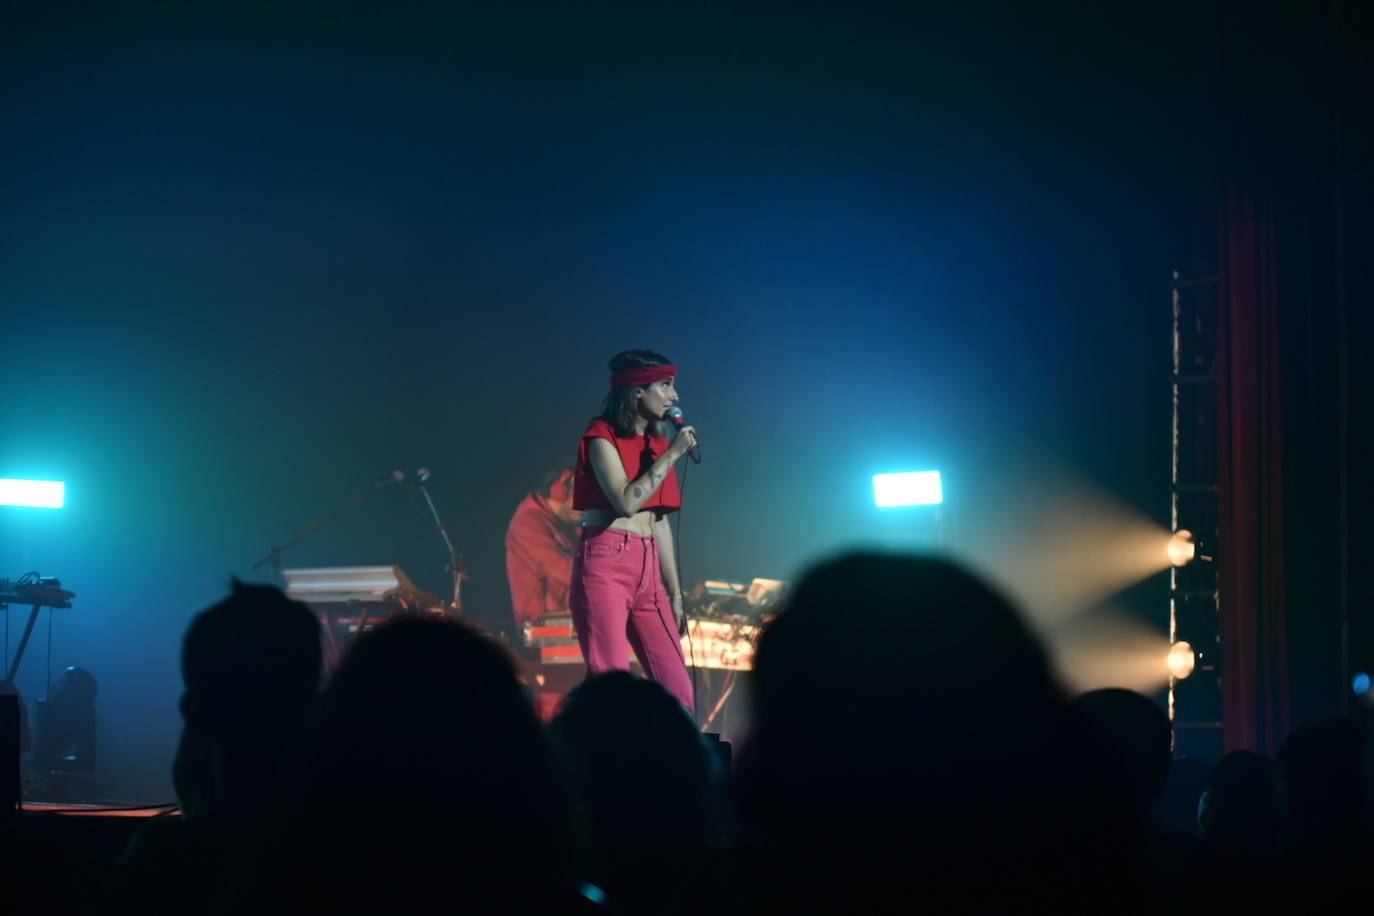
x=912, y=488
x=43, y=494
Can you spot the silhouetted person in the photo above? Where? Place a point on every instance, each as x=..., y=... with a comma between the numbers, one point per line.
x=910, y=744
x=251, y=665
x=433, y=786
x=1139, y=731
x=1178, y=803
x=252, y=670
x=1324, y=800
x=1239, y=813
x=1138, y=734
x=648, y=787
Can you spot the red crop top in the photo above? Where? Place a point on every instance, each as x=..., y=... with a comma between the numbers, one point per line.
x=637, y=453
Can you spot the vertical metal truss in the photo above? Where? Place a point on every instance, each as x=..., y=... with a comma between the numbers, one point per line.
x=1195, y=701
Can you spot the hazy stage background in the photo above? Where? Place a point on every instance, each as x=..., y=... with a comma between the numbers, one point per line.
x=252, y=262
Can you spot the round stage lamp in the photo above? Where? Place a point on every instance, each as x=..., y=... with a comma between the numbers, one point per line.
x=1182, y=660
x=64, y=724
x=1361, y=684
x=1181, y=548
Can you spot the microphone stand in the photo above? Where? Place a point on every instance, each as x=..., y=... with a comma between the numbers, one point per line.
x=455, y=565
x=274, y=555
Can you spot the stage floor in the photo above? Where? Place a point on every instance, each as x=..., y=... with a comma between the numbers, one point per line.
x=170, y=810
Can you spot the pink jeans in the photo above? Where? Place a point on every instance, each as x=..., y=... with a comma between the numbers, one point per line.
x=617, y=594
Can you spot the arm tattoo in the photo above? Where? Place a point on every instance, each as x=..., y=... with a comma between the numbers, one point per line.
x=653, y=482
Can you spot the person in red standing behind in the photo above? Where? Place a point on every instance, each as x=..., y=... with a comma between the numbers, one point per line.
x=624, y=575
x=539, y=549
x=540, y=540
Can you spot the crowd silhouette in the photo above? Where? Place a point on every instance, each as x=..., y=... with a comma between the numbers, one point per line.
x=911, y=750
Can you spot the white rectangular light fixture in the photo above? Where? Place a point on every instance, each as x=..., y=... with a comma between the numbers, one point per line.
x=912, y=488
x=43, y=494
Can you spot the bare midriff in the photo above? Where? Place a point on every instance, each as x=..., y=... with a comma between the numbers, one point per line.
x=641, y=522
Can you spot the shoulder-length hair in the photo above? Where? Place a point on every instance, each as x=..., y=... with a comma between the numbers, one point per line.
x=619, y=408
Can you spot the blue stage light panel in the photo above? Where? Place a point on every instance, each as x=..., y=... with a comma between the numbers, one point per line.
x=912, y=488
x=43, y=494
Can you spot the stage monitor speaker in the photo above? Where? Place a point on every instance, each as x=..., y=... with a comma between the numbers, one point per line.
x=9, y=752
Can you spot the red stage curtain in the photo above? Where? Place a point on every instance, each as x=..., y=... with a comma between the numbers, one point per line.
x=1253, y=626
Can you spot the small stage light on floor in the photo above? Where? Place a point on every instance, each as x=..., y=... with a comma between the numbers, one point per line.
x=41, y=494
x=911, y=488
x=1182, y=660
x=64, y=749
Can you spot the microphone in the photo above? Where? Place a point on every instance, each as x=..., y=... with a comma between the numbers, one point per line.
x=422, y=475
x=393, y=477
x=674, y=415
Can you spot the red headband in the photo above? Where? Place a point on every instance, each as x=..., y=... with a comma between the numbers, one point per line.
x=642, y=375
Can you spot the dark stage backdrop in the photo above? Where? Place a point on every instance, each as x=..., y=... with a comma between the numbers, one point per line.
x=1296, y=323
x=252, y=262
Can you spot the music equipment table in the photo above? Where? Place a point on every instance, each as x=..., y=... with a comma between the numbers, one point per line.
x=350, y=600
x=38, y=596
x=725, y=645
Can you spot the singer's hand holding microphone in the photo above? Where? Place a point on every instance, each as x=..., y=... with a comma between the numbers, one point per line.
x=686, y=441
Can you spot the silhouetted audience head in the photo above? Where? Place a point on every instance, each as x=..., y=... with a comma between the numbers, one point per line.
x=432, y=768
x=244, y=656
x=251, y=665
x=648, y=787
x=868, y=641
x=1178, y=803
x=432, y=686
x=1239, y=812
x=1324, y=796
x=907, y=724
x=1139, y=732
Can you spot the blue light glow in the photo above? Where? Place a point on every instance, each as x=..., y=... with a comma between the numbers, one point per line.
x=912, y=488
x=43, y=494
x=1360, y=684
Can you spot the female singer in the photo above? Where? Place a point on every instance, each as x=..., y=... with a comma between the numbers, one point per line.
x=624, y=577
